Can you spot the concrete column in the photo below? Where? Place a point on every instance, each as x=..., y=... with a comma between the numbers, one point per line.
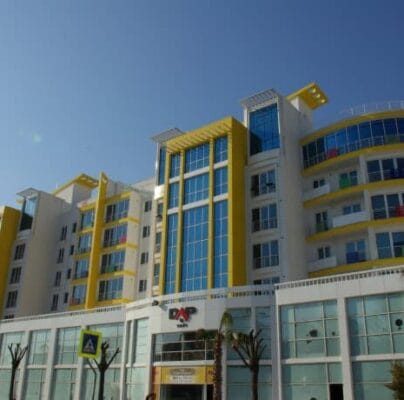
x=49, y=364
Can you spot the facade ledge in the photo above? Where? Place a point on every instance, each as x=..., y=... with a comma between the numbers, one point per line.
x=320, y=191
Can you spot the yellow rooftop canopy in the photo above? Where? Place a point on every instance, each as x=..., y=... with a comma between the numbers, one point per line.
x=311, y=94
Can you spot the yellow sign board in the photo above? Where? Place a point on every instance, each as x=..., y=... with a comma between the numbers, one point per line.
x=90, y=344
x=183, y=375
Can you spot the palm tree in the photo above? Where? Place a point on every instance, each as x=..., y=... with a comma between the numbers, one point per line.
x=250, y=348
x=219, y=336
x=397, y=384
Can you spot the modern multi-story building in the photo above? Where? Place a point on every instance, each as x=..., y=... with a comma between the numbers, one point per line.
x=238, y=216
x=85, y=245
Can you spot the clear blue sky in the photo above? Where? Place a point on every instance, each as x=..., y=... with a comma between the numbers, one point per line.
x=84, y=84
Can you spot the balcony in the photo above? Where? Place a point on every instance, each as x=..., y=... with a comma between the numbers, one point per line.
x=106, y=269
x=264, y=224
x=386, y=174
x=320, y=191
x=347, y=182
x=76, y=301
x=83, y=250
x=114, y=242
x=266, y=261
x=322, y=226
x=391, y=212
x=348, y=219
x=355, y=257
x=324, y=263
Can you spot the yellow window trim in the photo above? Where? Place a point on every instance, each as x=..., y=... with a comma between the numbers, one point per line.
x=341, y=269
x=356, y=227
x=337, y=194
x=118, y=197
x=113, y=302
x=79, y=281
x=120, y=221
x=115, y=274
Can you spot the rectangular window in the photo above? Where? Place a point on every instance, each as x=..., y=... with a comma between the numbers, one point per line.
x=117, y=211
x=157, y=244
x=84, y=245
x=221, y=149
x=74, y=227
x=87, y=219
x=355, y=251
x=195, y=249
x=68, y=273
x=147, y=206
x=220, y=181
x=264, y=129
x=141, y=353
x=160, y=208
x=15, y=275
x=19, y=251
x=162, y=166
x=171, y=256
x=78, y=295
x=12, y=299
x=146, y=231
x=175, y=165
x=58, y=278
x=55, y=301
x=28, y=213
x=67, y=345
x=264, y=218
x=196, y=188
x=173, y=195
x=318, y=183
x=112, y=262
x=263, y=183
x=156, y=274
x=321, y=221
x=220, y=261
x=81, y=268
x=61, y=255
x=351, y=209
x=144, y=258
x=34, y=383
x=71, y=249
x=64, y=381
x=66, y=297
x=115, y=235
x=197, y=157
x=110, y=289
x=63, y=233
x=142, y=285
x=348, y=179
x=266, y=254
x=323, y=252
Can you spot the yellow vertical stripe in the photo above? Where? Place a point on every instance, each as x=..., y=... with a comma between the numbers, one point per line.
x=211, y=214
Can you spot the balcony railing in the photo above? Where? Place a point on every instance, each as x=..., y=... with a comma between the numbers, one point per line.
x=355, y=256
x=321, y=190
x=323, y=263
x=386, y=174
x=105, y=269
x=102, y=296
x=83, y=250
x=266, y=261
x=322, y=226
x=80, y=274
x=390, y=212
x=347, y=182
x=348, y=219
x=113, y=242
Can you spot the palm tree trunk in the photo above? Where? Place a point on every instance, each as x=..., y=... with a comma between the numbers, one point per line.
x=12, y=380
x=217, y=369
x=254, y=383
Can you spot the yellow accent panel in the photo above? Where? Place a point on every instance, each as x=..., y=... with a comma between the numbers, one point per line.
x=113, y=302
x=121, y=221
x=79, y=281
x=115, y=274
x=88, y=205
x=117, y=197
x=203, y=134
x=9, y=218
x=332, y=162
x=337, y=194
x=341, y=269
x=89, y=229
x=178, y=269
x=358, y=226
x=96, y=242
x=311, y=94
x=76, y=307
x=82, y=180
x=237, y=156
x=350, y=121
x=211, y=215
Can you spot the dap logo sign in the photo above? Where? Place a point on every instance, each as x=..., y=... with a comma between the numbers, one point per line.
x=182, y=315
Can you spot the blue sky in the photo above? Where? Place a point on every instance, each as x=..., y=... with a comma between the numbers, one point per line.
x=84, y=84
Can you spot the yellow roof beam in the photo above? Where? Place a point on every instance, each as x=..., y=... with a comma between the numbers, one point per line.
x=82, y=180
x=311, y=94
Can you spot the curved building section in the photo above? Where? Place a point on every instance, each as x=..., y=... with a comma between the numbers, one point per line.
x=353, y=176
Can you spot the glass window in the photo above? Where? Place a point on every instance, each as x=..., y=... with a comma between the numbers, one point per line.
x=34, y=384
x=383, y=245
x=111, y=386
x=220, y=181
x=195, y=249
x=162, y=166
x=115, y=235
x=355, y=251
x=112, y=262
x=221, y=149
x=38, y=349
x=175, y=165
x=263, y=183
x=173, y=195
x=84, y=245
x=110, y=289
x=264, y=129
x=7, y=340
x=197, y=157
x=117, y=211
x=266, y=254
x=220, y=261
x=113, y=334
x=87, y=219
x=264, y=218
x=67, y=345
x=135, y=383
x=63, y=384
x=171, y=256
x=141, y=341
x=239, y=383
x=196, y=188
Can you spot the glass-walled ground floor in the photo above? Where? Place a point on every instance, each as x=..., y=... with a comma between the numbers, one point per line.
x=322, y=339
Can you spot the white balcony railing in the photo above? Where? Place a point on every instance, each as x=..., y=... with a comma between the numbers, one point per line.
x=348, y=219
x=328, y=262
x=312, y=194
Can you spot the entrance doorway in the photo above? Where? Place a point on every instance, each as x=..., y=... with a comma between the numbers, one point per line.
x=186, y=392
x=336, y=392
